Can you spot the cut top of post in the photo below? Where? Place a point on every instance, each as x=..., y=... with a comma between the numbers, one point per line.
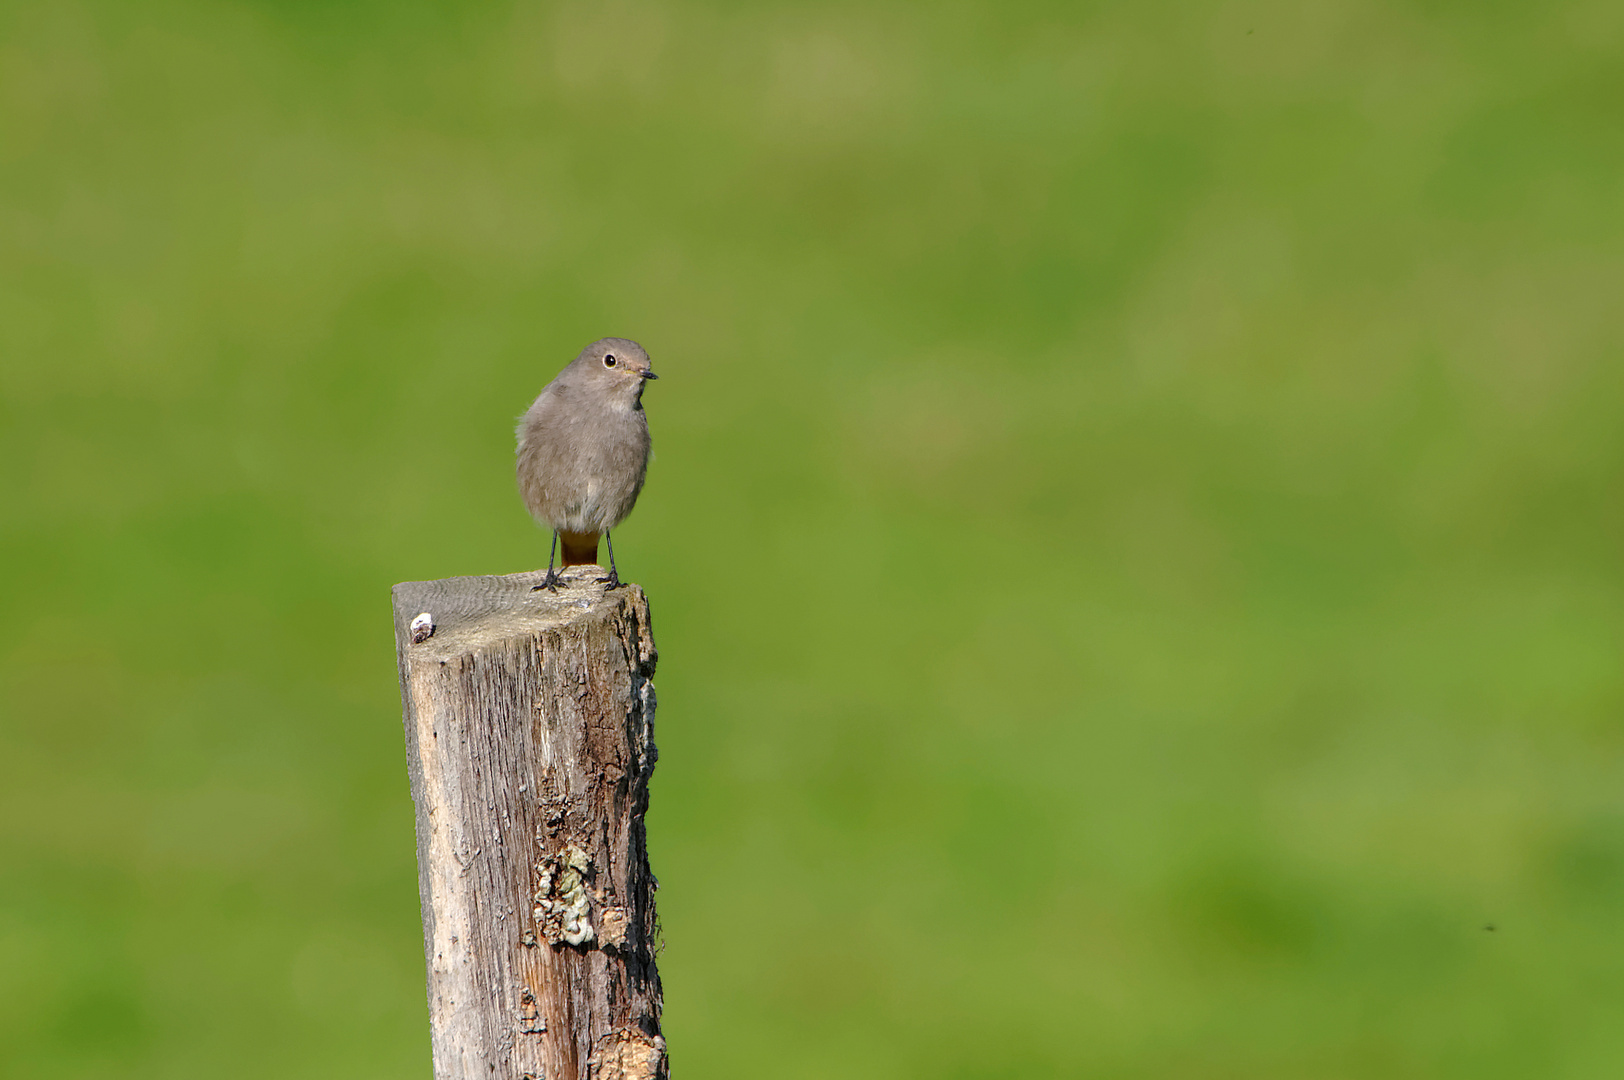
x=465, y=614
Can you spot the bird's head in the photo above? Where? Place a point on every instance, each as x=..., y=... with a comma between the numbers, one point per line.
x=615, y=367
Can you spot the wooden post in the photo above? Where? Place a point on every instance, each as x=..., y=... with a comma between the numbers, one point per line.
x=530, y=742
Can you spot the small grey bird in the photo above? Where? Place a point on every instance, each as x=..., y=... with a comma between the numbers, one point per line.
x=583, y=451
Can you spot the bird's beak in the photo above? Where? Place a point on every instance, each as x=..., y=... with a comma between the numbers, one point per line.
x=648, y=374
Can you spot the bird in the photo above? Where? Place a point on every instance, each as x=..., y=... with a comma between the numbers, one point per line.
x=583, y=452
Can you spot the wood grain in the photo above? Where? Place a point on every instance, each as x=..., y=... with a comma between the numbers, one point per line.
x=530, y=741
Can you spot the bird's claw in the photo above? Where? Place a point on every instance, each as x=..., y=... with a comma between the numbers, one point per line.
x=613, y=581
x=551, y=583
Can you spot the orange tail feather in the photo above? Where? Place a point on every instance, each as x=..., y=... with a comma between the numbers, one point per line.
x=580, y=549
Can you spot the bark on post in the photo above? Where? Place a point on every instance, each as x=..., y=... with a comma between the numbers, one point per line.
x=530, y=742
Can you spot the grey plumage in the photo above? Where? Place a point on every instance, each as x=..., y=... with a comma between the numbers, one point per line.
x=584, y=444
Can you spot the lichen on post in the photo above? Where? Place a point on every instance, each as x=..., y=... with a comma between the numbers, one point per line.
x=530, y=741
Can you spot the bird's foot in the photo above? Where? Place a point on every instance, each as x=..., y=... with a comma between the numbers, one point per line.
x=551, y=582
x=613, y=581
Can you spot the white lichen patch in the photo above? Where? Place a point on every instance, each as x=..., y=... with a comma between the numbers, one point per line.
x=563, y=905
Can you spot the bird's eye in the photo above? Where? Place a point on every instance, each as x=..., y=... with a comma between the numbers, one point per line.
x=609, y=360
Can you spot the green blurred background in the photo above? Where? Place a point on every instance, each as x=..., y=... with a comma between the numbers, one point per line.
x=1134, y=538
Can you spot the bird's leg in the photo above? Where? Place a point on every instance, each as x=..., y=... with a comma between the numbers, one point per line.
x=613, y=580
x=552, y=581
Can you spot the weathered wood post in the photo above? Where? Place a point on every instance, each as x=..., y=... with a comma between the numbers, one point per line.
x=530, y=742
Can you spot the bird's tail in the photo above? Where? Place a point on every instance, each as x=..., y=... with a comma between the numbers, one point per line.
x=580, y=549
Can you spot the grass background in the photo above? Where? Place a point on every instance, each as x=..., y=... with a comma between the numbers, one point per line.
x=1134, y=538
